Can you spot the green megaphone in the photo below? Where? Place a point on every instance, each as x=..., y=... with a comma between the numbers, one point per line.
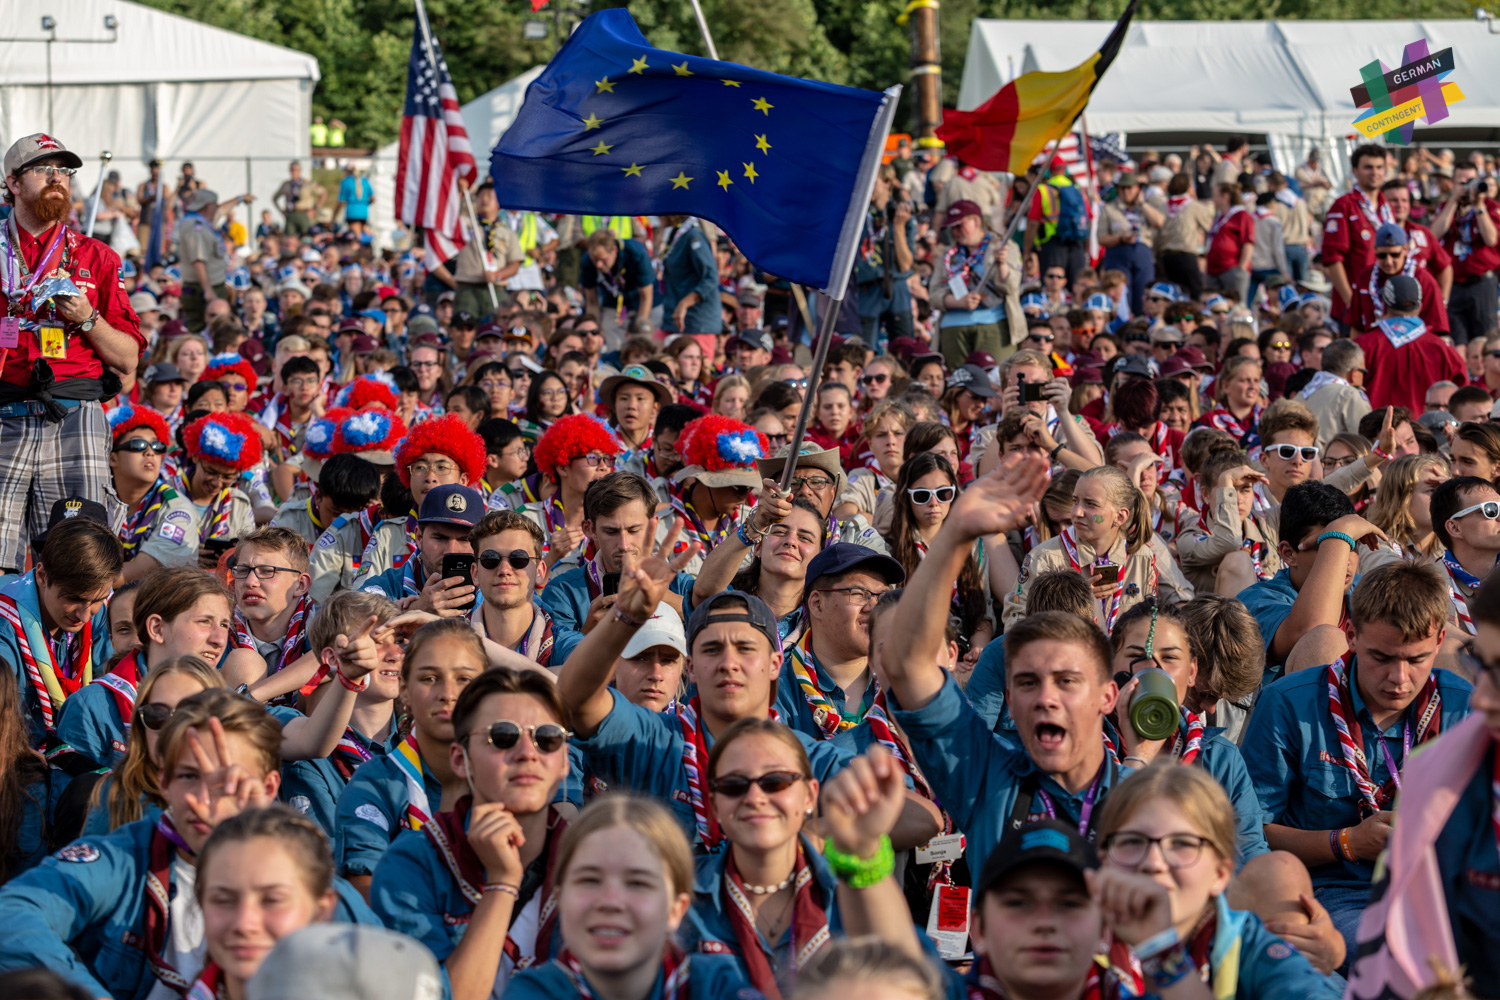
x=1153, y=708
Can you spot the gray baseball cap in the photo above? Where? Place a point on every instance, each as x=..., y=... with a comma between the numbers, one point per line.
x=346, y=962
x=37, y=146
x=754, y=611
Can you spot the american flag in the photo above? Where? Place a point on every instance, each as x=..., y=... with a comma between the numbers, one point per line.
x=434, y=152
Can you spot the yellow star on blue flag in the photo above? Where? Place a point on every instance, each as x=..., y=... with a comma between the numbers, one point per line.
x=614, y=126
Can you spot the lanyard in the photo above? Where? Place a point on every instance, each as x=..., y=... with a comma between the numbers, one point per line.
x=1405, y=751
x=16, y=268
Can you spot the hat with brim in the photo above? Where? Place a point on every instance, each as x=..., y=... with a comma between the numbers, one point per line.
x=825, y=459
x=1318, y=282
x=307, y=464
x=201, y=199
x=635, y=375
x=724, y=477
x=38, y=146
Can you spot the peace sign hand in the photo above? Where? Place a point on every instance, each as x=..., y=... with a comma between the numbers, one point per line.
x=228, y=788
x=643, y=582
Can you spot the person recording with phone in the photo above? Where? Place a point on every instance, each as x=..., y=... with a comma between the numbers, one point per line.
x=1469, y=226
x=510, y=573
x=447, y=515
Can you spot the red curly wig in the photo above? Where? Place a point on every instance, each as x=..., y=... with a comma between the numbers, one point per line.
x=715, y=443
x=572, y=437
x=227, y=438
x=445, y=435
x=223, y=364
x=366, y=390
x=133, y=416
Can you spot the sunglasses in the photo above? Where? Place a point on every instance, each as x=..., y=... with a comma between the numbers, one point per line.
x=1490, y=509
x=516, y=373
x=1042, y=338
x=1283, y=346
x=137, y=445
x=943, y=494
x=737, y=786
x=1388, y=254
x=1291, y=451
x=880, y=378
x=549, y=737
x=519, y=559
x=154, y=716
x=1056, y=277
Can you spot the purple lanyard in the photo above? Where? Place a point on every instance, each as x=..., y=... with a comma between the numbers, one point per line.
x=167, y=830
x=1089, y=798
x=1405, y=752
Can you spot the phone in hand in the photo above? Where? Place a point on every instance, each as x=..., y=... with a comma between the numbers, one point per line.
x=1107, y=574
x=609, y=585
x=460, y=564
x=219, y=546
x=1031, y=392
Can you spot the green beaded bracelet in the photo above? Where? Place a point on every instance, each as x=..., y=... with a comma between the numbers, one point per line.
x=861, y=873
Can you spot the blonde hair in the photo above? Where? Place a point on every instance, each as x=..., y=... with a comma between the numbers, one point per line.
x=344, y=614
x=1228, y=372
x=1034, y=359
x=647, y=817
x=1191, y=789
x=745, y=728
x=1391, y=509
x=1287, y=414
x=725, y=384
x=136, y=776
x=1123, y=493
x=299, y=836
x=887, y=409
x=847, y=963
x=445, y=628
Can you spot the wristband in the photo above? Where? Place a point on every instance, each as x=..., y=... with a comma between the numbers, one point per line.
x=355, y=686
x=620, y=616
x=1053, y=453
x=1333, y=845
x=1345, y=847
x=1156, y=944
x=1346, y=539
x=861, y=873
x=1383, y=456
x=504, y=887
x=1167, y=969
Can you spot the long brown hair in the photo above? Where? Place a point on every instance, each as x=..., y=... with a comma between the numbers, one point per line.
x=903, y=535
x=20, y=768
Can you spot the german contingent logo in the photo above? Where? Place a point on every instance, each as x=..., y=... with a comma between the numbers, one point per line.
x=1393, y=100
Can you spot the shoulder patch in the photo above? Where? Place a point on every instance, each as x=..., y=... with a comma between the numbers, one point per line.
x=1277, y=950
x=302, y=803
x=327, y=538
x=1331, y=226
x=78, y=853
x=370, y=814
x=178, y=517
x=174, y=533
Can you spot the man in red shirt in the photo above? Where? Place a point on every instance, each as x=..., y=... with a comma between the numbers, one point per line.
x=1394, y=255
x=1231, y=242
x=1402, y=356
x=1421, y=243
x=1469, y=226
x=60, y=354
x=1349, y=228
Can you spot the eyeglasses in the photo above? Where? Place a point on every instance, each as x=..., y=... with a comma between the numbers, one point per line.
x=796, y=383
x=235, y=386
x=943, y=494
x=1477, y=666
x=242, y=572
x=1180, y=850
x=812, y=482
x=519, y=559
x=597, y=461
x=552, y=393
x=519, y=451
x=50, y=170
x=549, y=737
x=217, y=476
x=1490, y=509
x=138, y=445
x=154, y=716
x=880, y=378
x=491, y=384
x=1287, y=452
x=737, y=786
x=437, y=468
x=301, y=383
x=1338, y=463
x=860, y=595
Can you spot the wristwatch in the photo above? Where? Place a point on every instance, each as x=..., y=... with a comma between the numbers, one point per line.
x=88, y=324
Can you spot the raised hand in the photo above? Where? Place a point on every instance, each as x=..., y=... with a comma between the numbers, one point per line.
x=863, y=802
x=1001, y=500
x=1386, y=440
x=643, y=582
x=772, y=507
x=358, y=654
x=228, y=789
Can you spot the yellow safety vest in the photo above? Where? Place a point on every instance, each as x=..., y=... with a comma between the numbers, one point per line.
x=319, y=134
x=620, y=225
x=335, y=137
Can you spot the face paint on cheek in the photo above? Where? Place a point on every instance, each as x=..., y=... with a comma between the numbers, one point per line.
x=1098, y=518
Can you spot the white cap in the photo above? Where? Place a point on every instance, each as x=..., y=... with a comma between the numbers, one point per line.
x=664, y=628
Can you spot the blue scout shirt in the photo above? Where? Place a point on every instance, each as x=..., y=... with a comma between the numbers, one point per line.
x=97, y=823
x=690, y=267
x=986, y=690
x=313, y=787
x=1298, y=768
x=710, y=977
x=641, y=749
x=74, y=912
x=31, y=832
x=22, y=589
x=633, y=271
x=1269, y=603
x=567, y=597
x=1469, y=863
x=90, y=723
x=371, y=813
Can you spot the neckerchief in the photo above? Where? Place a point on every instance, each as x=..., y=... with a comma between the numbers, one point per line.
x=1428, y=710
x=1319, y=380
x=122, y=682
x=1495, y=797
x=888, y=735
x=349, y=754
x=158, y=910
x=809, y=928
x=366, y=533
x=449, y=836
x=312, y=511
x=695, y=765
x=921, y=548
x=959, y=259
x=1401, y=330
x=1458, y=575
x=1109, y=607
x=215, y=520
x=138, y=523
x=408, y=760
x=1410, y=269
x=1158, y=438
x=1258, y=551
x=209, y=985
x=676, y=978
x=537, y=643
x=805, y=668
x=52, y=686
x=707, y=538
x=1224, y=419
x=412, y=577
x=56, y=254
x=981, y=983
x=1176, y=203
x=1220, y=220
x=593, y=579
x=1375, y=213
x=1189, y=739
x=292, y=647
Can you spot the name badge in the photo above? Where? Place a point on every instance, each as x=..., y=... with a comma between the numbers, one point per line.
x=54, y=342
x=10, y=331
x=948, y=920
x=949, y=848
x=956, y=287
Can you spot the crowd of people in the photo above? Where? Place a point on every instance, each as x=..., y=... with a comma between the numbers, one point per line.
x=1123, y=624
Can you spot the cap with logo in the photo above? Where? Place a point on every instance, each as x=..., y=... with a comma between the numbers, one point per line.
x=1099, y=301
x=973, y=378
x=69, y=509
x=162, y=371
x=752, y=610
x=958, y=210
x=1035, y=301
x=1390, y=235
x=1166, y=290
x=1047, y=842
x=663, y=628
x=37, y=146
x=1135, y=364
x=451, y=504
x=752, y=338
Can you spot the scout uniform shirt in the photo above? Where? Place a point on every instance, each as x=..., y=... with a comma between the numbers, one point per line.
x=335, y=561
x=1142, y=574
x=164, y=526
x=1208, y=537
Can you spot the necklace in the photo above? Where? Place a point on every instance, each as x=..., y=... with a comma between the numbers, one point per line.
x=767, y=890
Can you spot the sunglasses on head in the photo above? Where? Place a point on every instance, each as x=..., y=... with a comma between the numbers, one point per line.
x=138, y=445
x=519, y=559
x=154, y=716
x=737, y=786
x=1291, y=451
x=1489, y=508
x=922, y=498
x=549, y=737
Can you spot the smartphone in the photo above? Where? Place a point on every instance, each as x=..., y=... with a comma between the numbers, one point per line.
x=1108, y=574
x=1031, y=392
x=460, y=564
x=610, y=585
x=219, y=546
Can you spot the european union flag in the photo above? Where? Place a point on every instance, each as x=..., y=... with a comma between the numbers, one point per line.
x=615, y=126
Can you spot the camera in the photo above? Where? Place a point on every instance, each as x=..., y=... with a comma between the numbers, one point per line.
x=1031, y=392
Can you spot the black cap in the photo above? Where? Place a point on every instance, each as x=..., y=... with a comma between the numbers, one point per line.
x=69, y=509
x=1402, y=291
x=842, y=557
x=755, y=612
x=1135, y=364
x=973, y=378
x=752, y=338
x=1046, y=842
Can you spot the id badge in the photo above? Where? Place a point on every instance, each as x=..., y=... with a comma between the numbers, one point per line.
x=957, y=287
x=949, y=848
x=948, y=920
x=10, y=332
x=54, y=342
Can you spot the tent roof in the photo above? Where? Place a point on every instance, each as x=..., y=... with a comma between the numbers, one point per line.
x=154, y=47
x=1289, y=77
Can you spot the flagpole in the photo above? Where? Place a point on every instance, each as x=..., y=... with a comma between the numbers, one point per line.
x=708, y=40
x=93, y=216
x=475, y=230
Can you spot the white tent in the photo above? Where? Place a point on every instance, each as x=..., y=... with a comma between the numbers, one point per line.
x=485, y=119
x=157, y=85
x=1287, y=79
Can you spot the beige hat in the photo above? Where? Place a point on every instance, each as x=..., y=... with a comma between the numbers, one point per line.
x=810, y=454
x=723, y=477
x=39, y=146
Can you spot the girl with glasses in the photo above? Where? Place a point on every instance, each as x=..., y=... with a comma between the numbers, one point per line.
x=548, y=399
x=1347, y=449
x=924, y=491
x=478, y=886
x=1167, y=845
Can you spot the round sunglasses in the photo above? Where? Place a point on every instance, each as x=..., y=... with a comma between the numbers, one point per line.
x=519, y=559
x=737, y=786
x=153, y=715
x=549, y=737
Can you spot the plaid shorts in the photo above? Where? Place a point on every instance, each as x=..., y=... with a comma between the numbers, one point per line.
x=42, y=463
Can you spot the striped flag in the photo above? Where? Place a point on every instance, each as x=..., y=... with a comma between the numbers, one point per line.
x=434, y=151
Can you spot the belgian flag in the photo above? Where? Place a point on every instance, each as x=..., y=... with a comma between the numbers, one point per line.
x=1008, y=131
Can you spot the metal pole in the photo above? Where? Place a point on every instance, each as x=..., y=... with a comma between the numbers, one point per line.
x=50, y=127
x=250, y=240
x=708, y=40
x=93, y=213
x=820, y=353
x=484, y=251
